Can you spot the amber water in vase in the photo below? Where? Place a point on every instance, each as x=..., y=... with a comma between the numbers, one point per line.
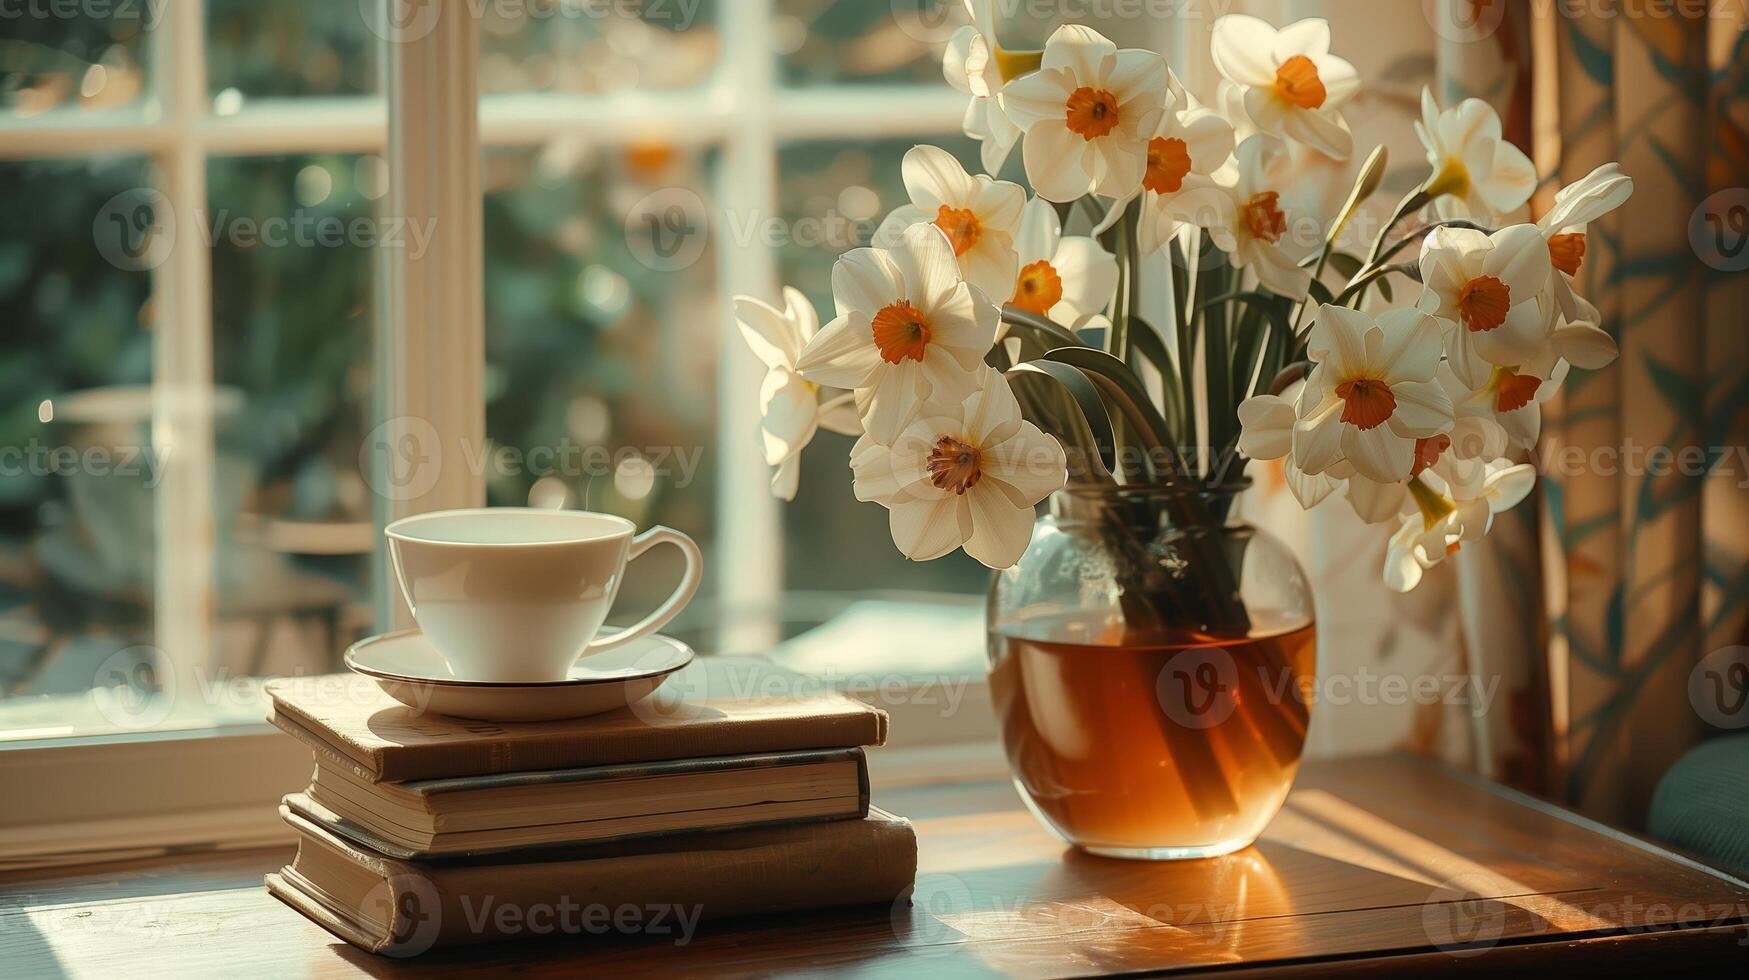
x=1152, y=746
x=1151, y=658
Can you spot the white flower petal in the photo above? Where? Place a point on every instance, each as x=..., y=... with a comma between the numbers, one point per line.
x=1267, y=423
x=842, y=354
x=1378, y=453
x=1000, y=530
x=924, y=530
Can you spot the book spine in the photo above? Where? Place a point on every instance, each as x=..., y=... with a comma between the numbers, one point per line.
x=428, y=761
x=661, y=895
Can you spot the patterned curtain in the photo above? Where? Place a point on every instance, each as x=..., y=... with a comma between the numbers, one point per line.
x=1644, y=543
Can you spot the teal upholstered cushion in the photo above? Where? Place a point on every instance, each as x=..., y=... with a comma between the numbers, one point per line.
x=1702, y=803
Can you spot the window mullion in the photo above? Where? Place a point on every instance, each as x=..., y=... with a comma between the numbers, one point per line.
x=182, y=366
x=431, y=350
x=749, y=560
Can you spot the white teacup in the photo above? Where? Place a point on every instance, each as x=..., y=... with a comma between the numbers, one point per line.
x=517, y=594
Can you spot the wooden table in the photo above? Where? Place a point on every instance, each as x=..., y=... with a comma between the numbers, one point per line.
x=1378, y=865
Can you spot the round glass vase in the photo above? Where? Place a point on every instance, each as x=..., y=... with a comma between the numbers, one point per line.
x=1151, y=660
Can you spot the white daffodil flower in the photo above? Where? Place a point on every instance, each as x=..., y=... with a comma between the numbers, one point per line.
x=1291, y=85
x=963, y=474
x=790, y=406
x=1088, y=113
x=909, y=327
x=1485, y=288
x=1267, y=429
x=1477, y=174
x=1491, y=401
x=1577, y=333
x=1500, y=486
x=979, y=215
x=1261, y=221
x=978, y=66
x=1419, y=543
x=1065, y=278
x=1192, y=143
x=1372, y=394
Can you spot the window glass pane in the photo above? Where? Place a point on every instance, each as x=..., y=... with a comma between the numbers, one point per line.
x=293, y=266
x=602, y=341
x=77, y=471
x=827, y=42
x=269, y=48
x=63, y=56
x=597, y=45
x=833, y=195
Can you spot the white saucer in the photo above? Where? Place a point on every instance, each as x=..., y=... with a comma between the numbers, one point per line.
x=410, y=670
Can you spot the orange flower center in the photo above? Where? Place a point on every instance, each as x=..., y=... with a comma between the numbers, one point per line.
x=1368, y=402
x=1092, y=112
x=1427, y=452
x=1483, y=303
x=961, y=227
x=1567, y=251
x=1514, y=391
x=1038, y=289
x=1263, y=216
x=1297, y=81
x=954, y=465
x=900, y=331
x=1168, y=162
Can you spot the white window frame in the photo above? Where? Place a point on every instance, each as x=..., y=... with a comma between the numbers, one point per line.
x=430, y=348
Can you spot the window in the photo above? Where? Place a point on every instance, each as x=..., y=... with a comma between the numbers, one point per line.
x=201, y=331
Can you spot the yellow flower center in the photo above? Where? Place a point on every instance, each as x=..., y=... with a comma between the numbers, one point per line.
x=1013, y=64
x=1567, y=252
x=1264, y=218
x=954, y=465
x=1483, y=303
x=1297, y=82
x=961, y=227
x=901, y=331
x=1091, y=112
x=1368, y=402
x=1453, y=178
x=1433, y=506
x=1038, y=289
x=1168, y=162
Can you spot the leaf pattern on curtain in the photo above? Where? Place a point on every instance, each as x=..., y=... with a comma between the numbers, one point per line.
x=1631, y=541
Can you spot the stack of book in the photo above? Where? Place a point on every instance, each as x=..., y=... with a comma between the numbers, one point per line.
x=419, y=830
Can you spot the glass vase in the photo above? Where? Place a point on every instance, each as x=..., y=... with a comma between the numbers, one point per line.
x=1151, y=660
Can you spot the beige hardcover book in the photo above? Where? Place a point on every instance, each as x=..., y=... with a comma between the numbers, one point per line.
x=659, y=888
x=716, y=706
x=511, y=811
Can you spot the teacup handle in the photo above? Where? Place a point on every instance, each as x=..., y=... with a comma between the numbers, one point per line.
x=676, y=602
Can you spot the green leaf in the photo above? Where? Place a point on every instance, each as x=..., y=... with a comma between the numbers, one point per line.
x=1346, y=264
x=1120, y=389
x=1147, y=342
x=1090, y=420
